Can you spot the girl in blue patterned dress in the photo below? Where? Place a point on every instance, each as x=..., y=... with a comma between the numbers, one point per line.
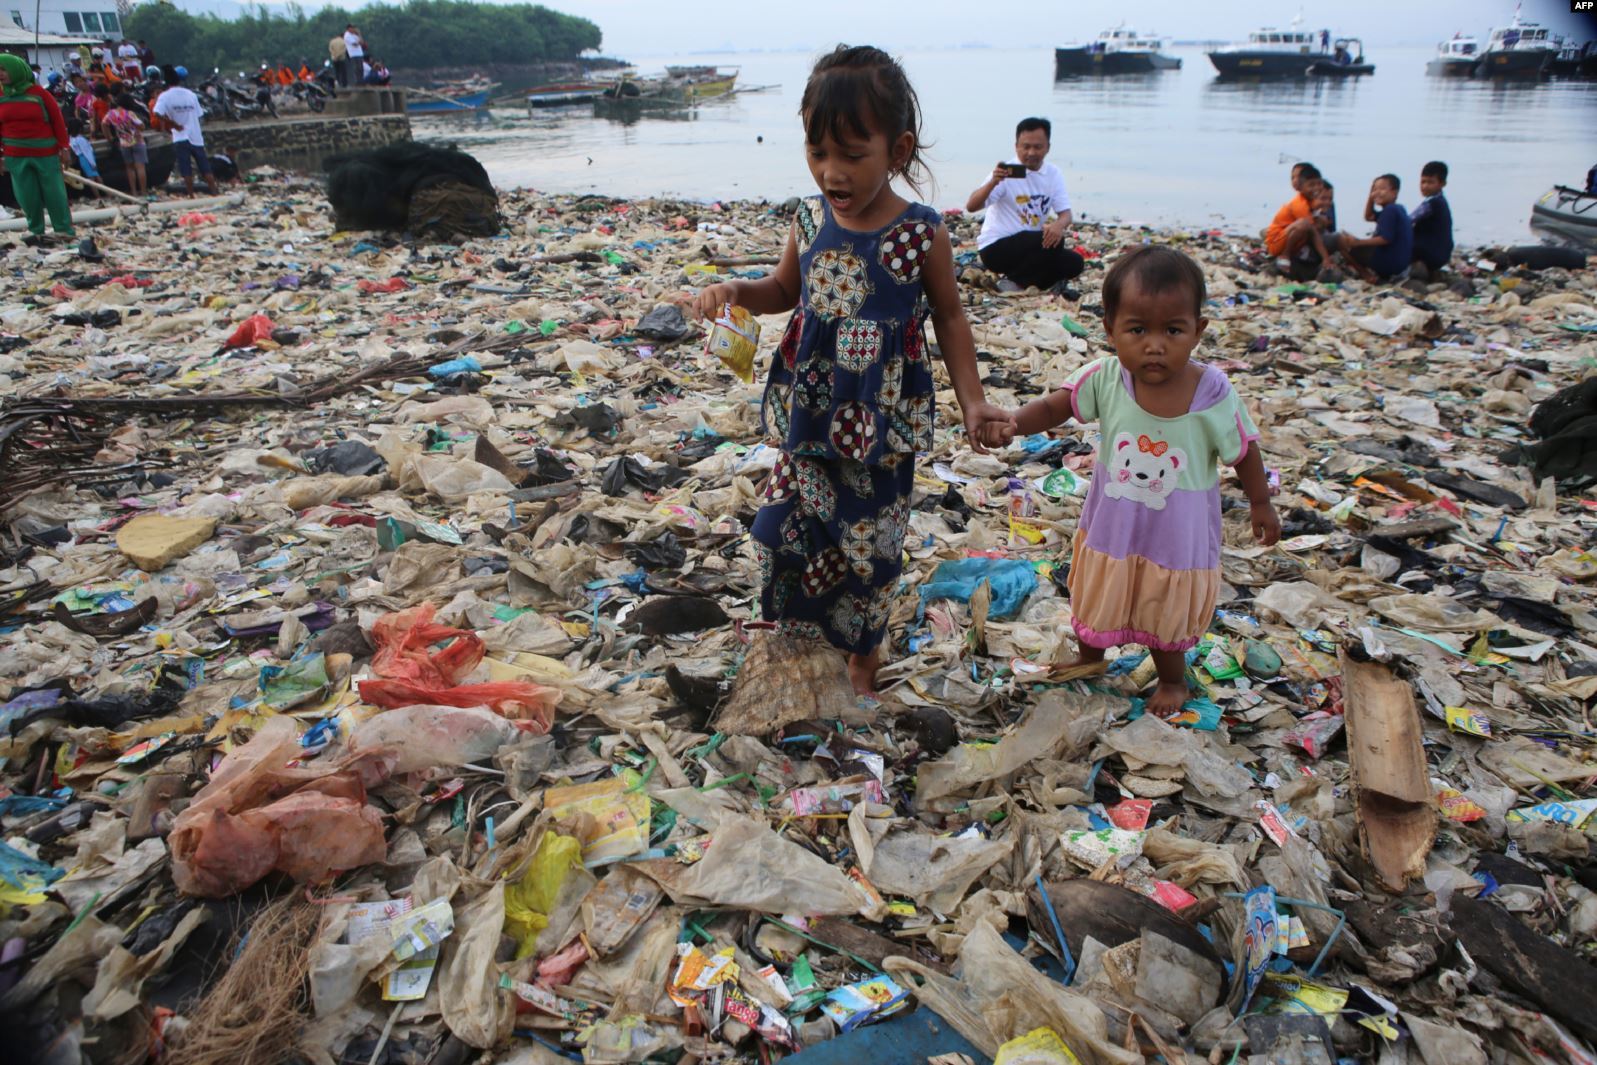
x=851, y=397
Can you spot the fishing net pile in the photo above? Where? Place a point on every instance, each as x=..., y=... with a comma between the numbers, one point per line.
x=435, y=192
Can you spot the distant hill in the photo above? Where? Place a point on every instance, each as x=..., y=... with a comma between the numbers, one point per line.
x=418, y=34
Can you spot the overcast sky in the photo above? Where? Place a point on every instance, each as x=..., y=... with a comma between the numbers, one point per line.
x=655, y=27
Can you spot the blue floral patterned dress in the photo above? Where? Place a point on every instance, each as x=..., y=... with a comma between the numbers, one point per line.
x=849, y=402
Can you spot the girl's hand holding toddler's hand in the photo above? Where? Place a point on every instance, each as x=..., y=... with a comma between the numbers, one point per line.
x=711, y=300
x=987, y=426
x=1266, y=523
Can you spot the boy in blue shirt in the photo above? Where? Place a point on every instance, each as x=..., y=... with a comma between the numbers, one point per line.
x=1386, y=253
x=1433, y=222
x=81, y=150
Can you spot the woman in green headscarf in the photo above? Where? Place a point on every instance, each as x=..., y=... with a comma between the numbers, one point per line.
x=32, y=138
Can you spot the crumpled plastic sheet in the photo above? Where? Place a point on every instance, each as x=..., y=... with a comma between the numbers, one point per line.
x=256, y=816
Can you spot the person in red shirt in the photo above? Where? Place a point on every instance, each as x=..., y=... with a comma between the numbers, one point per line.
x=99, y=107
x=32, y=137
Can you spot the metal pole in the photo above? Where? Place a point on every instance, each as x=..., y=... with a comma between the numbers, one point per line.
x=37, y=6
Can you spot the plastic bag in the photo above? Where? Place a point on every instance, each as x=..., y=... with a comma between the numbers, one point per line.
x=1060, y=724
x=410, y=672
x=749, y=867
x=251, y=331
x=1011, y=579
x=452, y=479
x=530, y=899
x=425, y=736
x=233, y=833
x=997, y=996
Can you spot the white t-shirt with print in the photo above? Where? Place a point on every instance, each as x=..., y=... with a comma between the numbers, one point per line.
x=181, y=107
x=1020, y=204
x=352, y=43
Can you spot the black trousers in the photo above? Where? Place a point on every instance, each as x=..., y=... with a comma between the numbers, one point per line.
x=1024, y=260
x=341, y=68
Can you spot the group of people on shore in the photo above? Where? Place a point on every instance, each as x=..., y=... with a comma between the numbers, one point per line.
x=1306, y=244
x=352, y=60
x=44, y=132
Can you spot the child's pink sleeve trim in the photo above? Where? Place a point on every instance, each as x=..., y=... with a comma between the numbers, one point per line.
x=1074, y=388
x=1248, y=439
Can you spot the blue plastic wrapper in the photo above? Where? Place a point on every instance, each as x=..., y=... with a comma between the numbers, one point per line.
x=1012, y=581
x=455, y=367
x=21, y=871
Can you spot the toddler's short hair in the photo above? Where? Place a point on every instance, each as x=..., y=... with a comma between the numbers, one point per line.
x=1155, y=268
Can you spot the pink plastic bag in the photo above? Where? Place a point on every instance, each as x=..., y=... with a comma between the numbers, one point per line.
x=257, y=815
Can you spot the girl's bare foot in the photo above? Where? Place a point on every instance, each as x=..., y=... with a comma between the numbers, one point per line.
x=862, y=672
x=1172, y=691
x=1166, y=699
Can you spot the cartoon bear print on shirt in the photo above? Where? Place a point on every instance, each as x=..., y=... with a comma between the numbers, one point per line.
x=1143, y=470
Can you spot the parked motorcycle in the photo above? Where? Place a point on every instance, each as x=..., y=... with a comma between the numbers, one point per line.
x=246, y=104
x=215, y=104
x=310, y=93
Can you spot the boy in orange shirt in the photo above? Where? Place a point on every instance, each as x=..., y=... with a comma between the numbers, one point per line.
x=1293, y=226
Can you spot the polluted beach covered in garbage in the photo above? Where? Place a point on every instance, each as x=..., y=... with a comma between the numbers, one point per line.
x=382, y=677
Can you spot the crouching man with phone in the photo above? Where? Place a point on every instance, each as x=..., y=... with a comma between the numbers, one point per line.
x=1017, y=238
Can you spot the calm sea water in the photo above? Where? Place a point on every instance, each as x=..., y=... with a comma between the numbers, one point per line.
x=1174, y=148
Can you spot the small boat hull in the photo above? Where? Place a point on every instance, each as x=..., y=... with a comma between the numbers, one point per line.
x=1567, y=212
x=705, y=90
x=1514, y=64
x=564, y=94
x=1327, y=69
x=1072, y=62
x=425, y=106
x=1457, y=67
x=1243, y=64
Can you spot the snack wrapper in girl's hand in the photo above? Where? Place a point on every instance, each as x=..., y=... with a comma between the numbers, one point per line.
x=735, y=340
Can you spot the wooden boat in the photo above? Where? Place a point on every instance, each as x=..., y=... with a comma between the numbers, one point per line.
x=1116, y=51
x=1455, y=58
x=1567, y=212
x=442, y=103
x=563, y=93
x=699, y=83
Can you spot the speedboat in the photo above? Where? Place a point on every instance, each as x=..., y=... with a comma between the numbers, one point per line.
x=1455, y=58
x=1116, y=51
x=1273, y=53
x=1347, y=60
x=1518, y=50
x=1567, y=212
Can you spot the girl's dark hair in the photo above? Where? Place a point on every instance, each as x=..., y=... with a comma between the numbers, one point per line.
x=101, y=89
x=125, y=101
x=1156, y=269
x=855, y=88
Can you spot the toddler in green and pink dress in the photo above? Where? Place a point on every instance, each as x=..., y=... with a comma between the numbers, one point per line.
x=1145, y=564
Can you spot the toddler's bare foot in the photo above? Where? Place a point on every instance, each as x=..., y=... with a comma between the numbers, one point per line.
x=862, y=672
x=1167, y=698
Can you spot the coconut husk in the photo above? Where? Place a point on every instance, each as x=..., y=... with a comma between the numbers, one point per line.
x=254, y=1012
x=783, y=680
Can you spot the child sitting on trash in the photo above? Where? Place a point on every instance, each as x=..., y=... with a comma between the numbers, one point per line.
x=1432, y=221
x=1145, y=563
x=1385, y=254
